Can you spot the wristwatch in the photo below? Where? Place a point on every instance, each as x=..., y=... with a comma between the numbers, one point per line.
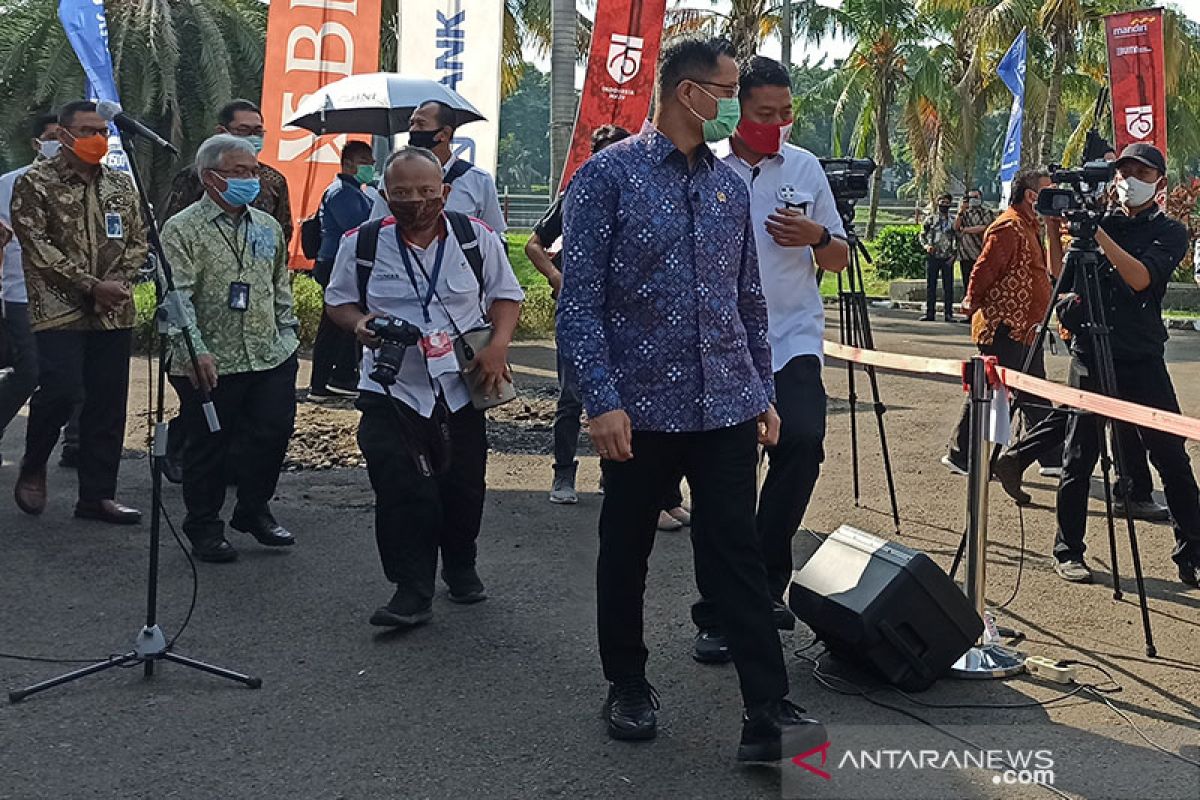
x=826, y=238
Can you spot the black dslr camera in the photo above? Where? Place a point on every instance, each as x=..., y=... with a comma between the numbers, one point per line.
x=395, y=336
x=849, y=178
x=1082, y=201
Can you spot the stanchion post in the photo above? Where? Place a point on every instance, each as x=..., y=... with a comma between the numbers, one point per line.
x=987, y=659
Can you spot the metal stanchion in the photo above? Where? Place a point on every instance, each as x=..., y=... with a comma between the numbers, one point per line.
x=988, y=658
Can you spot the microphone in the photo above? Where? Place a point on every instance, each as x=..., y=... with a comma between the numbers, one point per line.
x=113, y=113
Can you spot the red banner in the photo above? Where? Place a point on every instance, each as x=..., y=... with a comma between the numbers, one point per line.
x=1137, y=77
x=311, y=43
x=626, y=35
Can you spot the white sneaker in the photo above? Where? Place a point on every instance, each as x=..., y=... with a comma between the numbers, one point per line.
x=562, y=492
x=1073, y=571
x=949, y=464
x=682, y=514
x=1050, y=472
x=668, y=523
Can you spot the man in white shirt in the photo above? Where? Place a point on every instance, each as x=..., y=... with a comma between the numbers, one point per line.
x=17, y=384
x=797, y=229
x=472, y=190
x=421, y=274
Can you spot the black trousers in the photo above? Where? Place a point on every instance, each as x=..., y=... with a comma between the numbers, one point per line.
x=335, y=351
x=91, y=367
x=720, y=468
x=1148, y=383
x=257, y=411
x=17, y=384
x=793, y=466
x=1009, y=353
x=965, y=267
x=567, y=420
x=416, y=515
x=936, y=268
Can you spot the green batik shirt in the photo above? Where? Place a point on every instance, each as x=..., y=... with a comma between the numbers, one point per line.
x=210, y=254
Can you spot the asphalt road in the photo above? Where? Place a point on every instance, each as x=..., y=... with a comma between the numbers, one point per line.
x=502, y=700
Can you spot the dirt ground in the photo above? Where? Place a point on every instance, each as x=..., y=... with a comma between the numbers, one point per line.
x=501, y=700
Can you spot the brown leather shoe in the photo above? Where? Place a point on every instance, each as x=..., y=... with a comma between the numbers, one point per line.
x=109, y=511
x=30, y=491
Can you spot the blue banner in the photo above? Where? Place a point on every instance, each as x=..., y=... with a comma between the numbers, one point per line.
x=86, y=26
x=1012, y=71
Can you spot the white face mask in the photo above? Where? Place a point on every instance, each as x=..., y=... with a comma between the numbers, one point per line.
x=974, y=202
x=49, y=147
x=1133, y=192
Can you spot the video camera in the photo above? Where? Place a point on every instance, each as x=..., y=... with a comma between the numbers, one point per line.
x=1084, y=198
x=395, y=336
x=849, y=178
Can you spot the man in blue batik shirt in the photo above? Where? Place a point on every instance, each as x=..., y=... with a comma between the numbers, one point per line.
x=663, y=319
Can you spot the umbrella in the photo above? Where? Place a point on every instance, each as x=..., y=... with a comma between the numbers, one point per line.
x=379, y=103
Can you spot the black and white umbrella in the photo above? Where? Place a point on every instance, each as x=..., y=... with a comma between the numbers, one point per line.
x=379, y=103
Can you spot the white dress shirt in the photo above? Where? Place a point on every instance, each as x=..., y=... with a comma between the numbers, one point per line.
x=795, y=311
x=390, y=291
x=12, y=274
x=473, y=193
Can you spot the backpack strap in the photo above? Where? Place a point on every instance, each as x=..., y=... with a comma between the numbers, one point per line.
x=464, y=232
x=461, y=167
x=364, y=257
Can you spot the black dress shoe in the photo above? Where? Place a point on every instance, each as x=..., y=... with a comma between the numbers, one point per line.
x=217, y=550
x=776, y=731
x=404, y=610
x=1145, y=510
x=266, y=530
x=1189, y=573
x=630, y=710
x=69, y=457
x=783, y=618
x=711, y=648
x=172, y=469
x=465, y=585
x=1007, y=470
x=109, y=511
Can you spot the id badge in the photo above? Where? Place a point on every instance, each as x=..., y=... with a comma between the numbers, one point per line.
x=113, y=227
x=438, y=348
x=239, y=296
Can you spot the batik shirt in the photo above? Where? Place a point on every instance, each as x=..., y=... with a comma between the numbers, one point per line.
x=75, y=233
x=209, y=253
x=939, y=232
x=662, y=312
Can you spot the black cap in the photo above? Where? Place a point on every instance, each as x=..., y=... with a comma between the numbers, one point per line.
x=1147, y=154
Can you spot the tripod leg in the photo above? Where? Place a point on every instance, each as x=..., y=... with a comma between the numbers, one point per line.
x=1106, y=471
x=958, y=557
x=880, y=408
x=20, y=694
x=847, y=314
x=220, y=672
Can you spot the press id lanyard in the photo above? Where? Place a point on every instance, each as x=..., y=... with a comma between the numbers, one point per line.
x=412, y=275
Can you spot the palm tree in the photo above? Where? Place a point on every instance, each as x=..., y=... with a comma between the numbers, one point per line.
x=563, y=56
x=746, y=24
x=176, y=64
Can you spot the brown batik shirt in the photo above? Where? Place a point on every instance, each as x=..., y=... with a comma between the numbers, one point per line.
x=272, y=197
x=75, y=233
x=1010, y=284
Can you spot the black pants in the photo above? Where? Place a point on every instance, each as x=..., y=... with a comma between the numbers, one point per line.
x=793, y=467
x=18, y=384
x=335, y=351
x=1148, y=383
x=936, y=268
x=1011, y=354
x=257, y=410
x=416, y=515
x=567, y=420
x=720, y=468
x=91, y=367
x=965, y=267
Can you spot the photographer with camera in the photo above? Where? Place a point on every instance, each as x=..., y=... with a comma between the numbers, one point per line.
x=419, y=289
x=1140, y=248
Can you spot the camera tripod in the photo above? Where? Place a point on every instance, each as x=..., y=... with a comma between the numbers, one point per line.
x=855, y=331
x=151, y=644
x=1083, y=259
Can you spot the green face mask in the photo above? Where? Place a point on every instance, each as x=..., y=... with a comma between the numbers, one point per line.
x=256, y=142
x=729, y=114
x=365, y=173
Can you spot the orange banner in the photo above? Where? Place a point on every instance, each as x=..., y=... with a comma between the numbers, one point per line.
x=311, y=43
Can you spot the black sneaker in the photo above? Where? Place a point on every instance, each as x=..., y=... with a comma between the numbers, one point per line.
x=1145, y=510
x=776, y=731
x=404, y=610
x=783, y=617
x=1008, y=471
x=464, y=584
x=630, y=710
x=69, y=458
x=1189, y=573
x=711, y=648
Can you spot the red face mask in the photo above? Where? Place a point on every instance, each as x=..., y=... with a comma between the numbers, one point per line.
x=763, y=138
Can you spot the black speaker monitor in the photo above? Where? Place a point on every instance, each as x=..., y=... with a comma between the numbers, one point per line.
x=885, y=606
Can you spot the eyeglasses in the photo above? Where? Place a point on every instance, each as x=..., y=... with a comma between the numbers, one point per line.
x=731, y=88
x=85, y=132
x=247, y=130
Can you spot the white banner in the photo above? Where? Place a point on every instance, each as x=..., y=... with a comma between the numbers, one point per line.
x=457, y=42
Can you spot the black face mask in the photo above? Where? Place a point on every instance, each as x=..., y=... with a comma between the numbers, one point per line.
x=426, y=139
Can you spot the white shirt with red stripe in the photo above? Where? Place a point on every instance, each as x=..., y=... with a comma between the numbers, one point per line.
x=390, y=291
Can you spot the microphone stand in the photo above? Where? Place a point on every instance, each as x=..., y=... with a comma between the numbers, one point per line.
x=151, y=645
